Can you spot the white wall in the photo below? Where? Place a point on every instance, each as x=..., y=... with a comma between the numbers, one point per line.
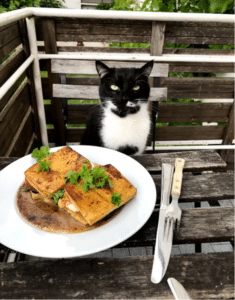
x=73, y=4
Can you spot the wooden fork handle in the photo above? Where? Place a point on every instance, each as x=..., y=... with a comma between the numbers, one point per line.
x=178, y=175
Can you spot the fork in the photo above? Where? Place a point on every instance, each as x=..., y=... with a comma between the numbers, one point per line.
x=173, y=212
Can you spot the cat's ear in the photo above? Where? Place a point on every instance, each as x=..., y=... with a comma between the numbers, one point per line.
x=101, y=68
x=147, y=68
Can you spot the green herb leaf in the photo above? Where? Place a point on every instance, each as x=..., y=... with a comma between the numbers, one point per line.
x=116, y=199
x=111, y=184
x=44, y=165
x=87, y=162
x=58, y=195
x=26, y=189
x=92, y=178
x=72, y=177
x=42, y=153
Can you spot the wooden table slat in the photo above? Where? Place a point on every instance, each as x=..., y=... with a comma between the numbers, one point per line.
x=204, y=276
x=204, y=187
x=194, y=160
x=198, y=225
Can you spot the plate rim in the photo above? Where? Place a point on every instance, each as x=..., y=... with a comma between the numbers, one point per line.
x=101, y=247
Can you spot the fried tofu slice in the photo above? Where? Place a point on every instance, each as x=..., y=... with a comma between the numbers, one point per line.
x=63, y=160
x=120, y=185
x=66, y=204
x=95, y=204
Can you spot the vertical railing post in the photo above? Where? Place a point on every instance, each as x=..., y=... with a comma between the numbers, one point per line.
x=29, y=73
x=157, y=43
x=49, y=35
x=30, y=23
x=228, y=134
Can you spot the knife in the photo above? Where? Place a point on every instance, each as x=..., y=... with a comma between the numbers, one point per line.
x=161, y=255
x=178, y=290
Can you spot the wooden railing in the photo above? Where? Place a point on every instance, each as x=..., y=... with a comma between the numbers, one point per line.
x=76, y=79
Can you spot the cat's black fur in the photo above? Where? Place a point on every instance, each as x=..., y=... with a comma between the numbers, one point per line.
x=126, y=79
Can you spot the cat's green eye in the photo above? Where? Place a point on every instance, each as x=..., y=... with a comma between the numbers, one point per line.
x=114, y=87
x=136, y=88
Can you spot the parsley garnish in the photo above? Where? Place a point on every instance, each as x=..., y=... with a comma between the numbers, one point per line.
x=44, y=165
x=42, y=153
x=116, y=199
x=72, y=176
x=91, y=178
x=58, y=195
x=26, y=189
x=39, y=155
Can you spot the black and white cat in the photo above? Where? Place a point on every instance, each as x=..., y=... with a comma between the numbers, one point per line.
x=122, y=121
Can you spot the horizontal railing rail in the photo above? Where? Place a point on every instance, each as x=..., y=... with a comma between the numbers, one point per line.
x=31, y=13
x=13, y=16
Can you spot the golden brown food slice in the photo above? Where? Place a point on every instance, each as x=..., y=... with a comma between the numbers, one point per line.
x=63, y=160
x=120, y=185
x=95, y=204
x=92, y=206
x=66, y=204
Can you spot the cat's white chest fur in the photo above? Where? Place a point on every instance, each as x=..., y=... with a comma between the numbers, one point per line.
x=132, y=130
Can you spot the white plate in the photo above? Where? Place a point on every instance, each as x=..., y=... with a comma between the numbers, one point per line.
x=18, y=235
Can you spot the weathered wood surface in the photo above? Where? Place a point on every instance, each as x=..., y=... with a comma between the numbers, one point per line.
x=23, y=136
x=204, y=187
x=187, y=67
x=8, y=67
x=194, y=160
x=13, y=119
x=198, y=225
x=140, y=31
x=177, y=88
x=6, y=49
x=157, y=38
x=201, y=67
x=6, y=108
x=204, y=276
x=183, y=133
x=229, y=133
x=9, y=39
x=168, y=112
x=187, y=51
x=164, y=133
x=84, y=67
x=92, y=92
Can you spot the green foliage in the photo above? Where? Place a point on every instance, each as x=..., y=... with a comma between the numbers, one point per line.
x=184, y=6
x=104, y=6
x=52, y=3
x=6, y=5
x=125, y=5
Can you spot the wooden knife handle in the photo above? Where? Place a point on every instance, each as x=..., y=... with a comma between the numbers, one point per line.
x=178, y=175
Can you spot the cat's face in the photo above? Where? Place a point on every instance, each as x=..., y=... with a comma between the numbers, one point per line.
x=123, y=90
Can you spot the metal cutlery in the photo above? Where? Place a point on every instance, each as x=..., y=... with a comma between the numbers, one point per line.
x=178, y=290
x=168, y=216
x=173, y=212
x=161, y=256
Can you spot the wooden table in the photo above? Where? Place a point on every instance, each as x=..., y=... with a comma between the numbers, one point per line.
x=204, y=275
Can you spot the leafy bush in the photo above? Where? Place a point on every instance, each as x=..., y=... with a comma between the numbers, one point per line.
x=104, y=6
x=185, y=6
x=6, y=5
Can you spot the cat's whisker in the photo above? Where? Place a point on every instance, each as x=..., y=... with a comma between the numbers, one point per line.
x=93, y=106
